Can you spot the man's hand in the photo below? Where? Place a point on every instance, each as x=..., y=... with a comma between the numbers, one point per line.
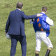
x=39, y=15
x=8, y=36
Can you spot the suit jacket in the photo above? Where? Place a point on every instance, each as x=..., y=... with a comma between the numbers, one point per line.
x=15, y=22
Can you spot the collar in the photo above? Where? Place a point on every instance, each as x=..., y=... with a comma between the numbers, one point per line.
x=43, y=12
x=19, y=9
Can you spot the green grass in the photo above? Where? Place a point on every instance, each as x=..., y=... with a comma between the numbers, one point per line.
x=30, y=7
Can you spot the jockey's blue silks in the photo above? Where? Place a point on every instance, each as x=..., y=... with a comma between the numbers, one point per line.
x=40, y=24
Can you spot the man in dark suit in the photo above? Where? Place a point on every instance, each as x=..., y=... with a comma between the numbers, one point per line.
x=15, y=28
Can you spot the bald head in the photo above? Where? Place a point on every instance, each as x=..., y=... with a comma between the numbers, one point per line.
x=19, y=5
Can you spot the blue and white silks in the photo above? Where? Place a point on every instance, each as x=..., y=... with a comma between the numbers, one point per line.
x=40, y=24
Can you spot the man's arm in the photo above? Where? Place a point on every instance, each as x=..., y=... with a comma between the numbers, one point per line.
x=30, y=17
x=7, y=25
x=49, y=21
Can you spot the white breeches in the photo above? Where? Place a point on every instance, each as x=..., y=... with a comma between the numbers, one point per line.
x=41, y=36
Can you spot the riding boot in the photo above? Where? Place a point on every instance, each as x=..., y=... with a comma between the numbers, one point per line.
x=47, y=52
